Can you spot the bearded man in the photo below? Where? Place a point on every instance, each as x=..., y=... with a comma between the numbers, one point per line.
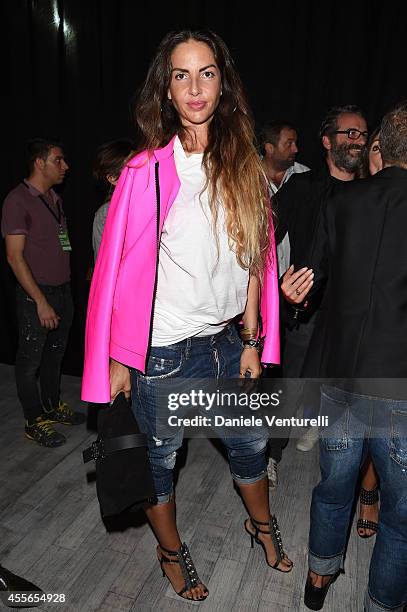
x=299, y=203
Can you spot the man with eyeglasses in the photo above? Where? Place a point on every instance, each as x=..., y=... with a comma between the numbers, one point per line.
x=344, y=139
x=343, y=136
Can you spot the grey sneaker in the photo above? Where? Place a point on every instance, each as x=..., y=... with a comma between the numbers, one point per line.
x=308, y=440
x=272, y=473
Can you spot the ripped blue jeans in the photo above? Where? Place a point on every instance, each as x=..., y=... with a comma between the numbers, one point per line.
x=204, y=357
x=358, y=424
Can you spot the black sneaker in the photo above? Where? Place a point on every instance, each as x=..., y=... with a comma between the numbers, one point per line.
x=41, y=431
x=65, y=415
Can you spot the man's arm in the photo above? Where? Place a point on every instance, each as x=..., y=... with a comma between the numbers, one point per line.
x=15, y=257
x=310, y=288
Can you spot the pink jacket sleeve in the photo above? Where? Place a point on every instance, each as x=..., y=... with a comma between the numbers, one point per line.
x=269, y=306
x=96, y=380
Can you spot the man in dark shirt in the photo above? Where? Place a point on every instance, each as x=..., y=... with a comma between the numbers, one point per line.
x=360, y=346
x=343, y=136
x=38, y=250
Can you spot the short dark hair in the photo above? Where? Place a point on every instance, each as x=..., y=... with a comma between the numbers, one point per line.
x=330, y=122
x=110, y=158
x=39, y=148
x=393, y=135
x=270, y=132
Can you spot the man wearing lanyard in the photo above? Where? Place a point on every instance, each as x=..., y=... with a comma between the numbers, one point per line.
x=38, y=251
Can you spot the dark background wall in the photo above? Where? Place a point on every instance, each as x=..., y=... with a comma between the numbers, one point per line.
x=71, y=67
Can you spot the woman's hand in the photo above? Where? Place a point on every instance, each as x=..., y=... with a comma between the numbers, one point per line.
x=119, y=379
x=250, y=362
x=296, y=285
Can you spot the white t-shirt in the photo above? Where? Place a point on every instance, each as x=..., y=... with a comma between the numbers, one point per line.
x=199, y=289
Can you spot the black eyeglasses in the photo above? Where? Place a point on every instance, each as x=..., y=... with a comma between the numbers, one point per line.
x=352, y=133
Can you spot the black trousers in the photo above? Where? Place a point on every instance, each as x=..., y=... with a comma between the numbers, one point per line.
x=294, y=353
x=40, y=351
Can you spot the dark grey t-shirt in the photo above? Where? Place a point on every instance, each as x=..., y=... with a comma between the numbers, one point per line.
x=25, y=213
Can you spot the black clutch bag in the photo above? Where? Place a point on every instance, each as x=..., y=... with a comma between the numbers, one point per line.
x=123, y=474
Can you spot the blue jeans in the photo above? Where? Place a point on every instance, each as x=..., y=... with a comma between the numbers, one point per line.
x=358, y=424
x=205, y=357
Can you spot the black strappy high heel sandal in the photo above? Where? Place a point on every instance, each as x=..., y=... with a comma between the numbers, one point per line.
x=368, y=498
x=274, y=531
x=183, y=557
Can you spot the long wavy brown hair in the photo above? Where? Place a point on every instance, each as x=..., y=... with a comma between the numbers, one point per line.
x=232, y=165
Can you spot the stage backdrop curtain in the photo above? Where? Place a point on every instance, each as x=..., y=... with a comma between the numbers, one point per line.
x=70, y=70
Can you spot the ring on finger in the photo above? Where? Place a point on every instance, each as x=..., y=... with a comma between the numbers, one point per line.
x=297, y=291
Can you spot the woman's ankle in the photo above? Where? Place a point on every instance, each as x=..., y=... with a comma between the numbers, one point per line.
x=319, y=581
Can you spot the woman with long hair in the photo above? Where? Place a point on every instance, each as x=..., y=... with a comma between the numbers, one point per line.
x=188, y=246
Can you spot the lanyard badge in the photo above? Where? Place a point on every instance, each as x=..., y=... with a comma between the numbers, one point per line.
x=64, y=239
x=62, y=232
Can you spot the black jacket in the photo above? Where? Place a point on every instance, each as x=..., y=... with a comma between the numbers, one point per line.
x=298, y=206
x=360, y=254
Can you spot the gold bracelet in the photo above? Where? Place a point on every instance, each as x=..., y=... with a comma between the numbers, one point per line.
x=247, y=333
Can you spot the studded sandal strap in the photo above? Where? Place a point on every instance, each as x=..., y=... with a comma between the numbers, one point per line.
x=188, y=569
x=365, y=524
x=277, y=541
x=368, y=498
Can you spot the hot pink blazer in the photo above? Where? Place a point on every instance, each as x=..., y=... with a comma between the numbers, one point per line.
x=121, y=295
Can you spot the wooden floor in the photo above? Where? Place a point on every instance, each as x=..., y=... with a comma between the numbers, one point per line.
x=51, y=531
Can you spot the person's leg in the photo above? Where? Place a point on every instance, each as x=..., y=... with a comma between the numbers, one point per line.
x=247, y=459
x=50, y=371
x=310, y=409
x=31, y=340
x=55, y=410
x=270, y=378
x=148, y=400
x=369, y=507
x=294, y=355
x=293, y=352
x=341, y=453
x=261, y=526
x=387, y=587
x=276, y=447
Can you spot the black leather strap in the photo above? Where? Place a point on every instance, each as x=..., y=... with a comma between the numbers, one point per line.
x=368, y=498
x=102, y=448
x=365, y=524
